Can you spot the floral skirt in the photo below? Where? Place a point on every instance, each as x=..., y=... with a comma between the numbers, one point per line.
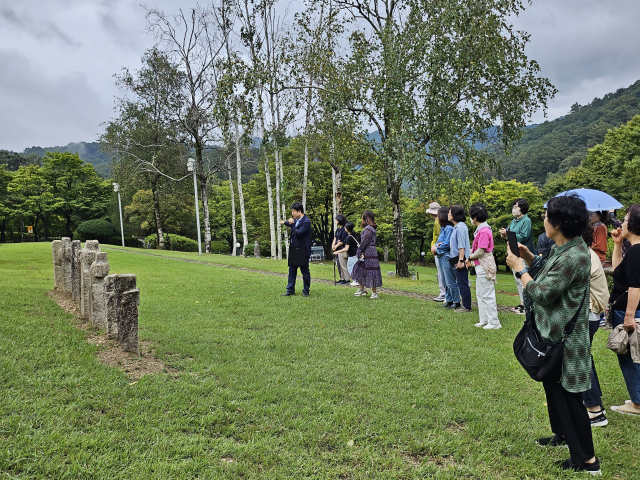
x=367, y=273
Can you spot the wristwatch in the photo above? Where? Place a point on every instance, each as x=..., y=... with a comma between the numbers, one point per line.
x=521, y=272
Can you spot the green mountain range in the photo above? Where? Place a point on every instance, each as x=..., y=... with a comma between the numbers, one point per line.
x=555, y=146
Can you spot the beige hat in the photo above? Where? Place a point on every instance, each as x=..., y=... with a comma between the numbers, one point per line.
x=433, y=208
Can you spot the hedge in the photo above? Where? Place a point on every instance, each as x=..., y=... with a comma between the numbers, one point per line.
x=176, y=243
x=100, y=230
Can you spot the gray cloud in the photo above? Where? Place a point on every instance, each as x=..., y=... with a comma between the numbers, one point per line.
x=44, y=31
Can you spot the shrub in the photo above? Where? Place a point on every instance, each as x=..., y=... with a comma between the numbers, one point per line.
x=100, y=230
x=128, y=241
x=218, y=246
x=176, y=243
x=392, y=254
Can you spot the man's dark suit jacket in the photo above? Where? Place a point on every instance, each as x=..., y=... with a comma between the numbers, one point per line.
x=301, y=235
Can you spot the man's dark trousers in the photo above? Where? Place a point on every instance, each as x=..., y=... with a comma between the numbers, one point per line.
x=306, y=278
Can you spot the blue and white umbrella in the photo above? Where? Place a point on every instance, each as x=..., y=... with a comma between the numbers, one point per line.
x=596, y=200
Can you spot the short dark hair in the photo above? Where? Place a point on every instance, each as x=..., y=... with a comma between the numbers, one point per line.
x=443, y=216
x=457, y=212
x=478, y=212
x=523, y=204
x=569, y=214
x=341, y=219
x=633, y=224
x=349, y=226
x=297, y=206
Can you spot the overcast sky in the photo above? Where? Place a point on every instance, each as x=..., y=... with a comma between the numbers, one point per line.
x=58, y=57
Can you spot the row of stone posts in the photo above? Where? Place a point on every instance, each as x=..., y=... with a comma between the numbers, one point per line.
x=110, y=302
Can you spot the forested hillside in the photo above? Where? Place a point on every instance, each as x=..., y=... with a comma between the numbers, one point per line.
x=556, y=146
x=89, y=152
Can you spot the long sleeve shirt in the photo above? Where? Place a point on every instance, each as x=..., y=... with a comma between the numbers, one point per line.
x=443, y=239
x=553, y=297
x=522, y=228
x=436, y=232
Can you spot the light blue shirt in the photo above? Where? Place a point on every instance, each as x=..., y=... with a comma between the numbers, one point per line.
x=460, y=239
x=444, y=239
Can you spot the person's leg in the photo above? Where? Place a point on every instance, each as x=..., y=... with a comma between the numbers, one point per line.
x=343, y=266
x=569, y=419
x=593, y=397
x=448, y=279
x=462, y=275
x=481, y=280
x=452, y=283
x=441, y=282
x=630, y=370
x=520, y=288
x=486, y=296
x=291, y=284
x=306, y=278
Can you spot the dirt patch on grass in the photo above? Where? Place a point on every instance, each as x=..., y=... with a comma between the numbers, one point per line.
x=442, y=461
x=110, y=353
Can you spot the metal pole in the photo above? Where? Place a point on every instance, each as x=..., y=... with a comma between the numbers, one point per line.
x=120, y=210
x=195, y=189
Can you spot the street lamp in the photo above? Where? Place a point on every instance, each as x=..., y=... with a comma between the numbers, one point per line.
x=116, y=188
x=191, y=166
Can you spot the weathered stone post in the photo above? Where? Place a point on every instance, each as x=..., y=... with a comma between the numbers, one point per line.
x=91, y=248
x=98, y=270
x=58, y=277
x=66, y=266
x=256, y=249
x=128, y=321
x=75, y=271
x=386, y=254
x=115, y=286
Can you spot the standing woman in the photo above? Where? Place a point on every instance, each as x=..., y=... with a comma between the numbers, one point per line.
x=554, y=290
x=367, y=270
x=521, y=226
x=443, y=247
x=460, y=251
x=339, y=241
x=433, y=211
x=486, y=270
x=625, y=298
x=600, y=234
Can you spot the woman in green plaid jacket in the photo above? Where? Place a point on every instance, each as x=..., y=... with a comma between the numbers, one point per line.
x=553, y=291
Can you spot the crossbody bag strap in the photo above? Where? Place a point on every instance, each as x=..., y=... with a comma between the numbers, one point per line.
x=616, y=300
x=568, y=329
x=354, y=238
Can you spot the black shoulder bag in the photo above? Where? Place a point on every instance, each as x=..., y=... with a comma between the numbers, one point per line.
x=542, y=360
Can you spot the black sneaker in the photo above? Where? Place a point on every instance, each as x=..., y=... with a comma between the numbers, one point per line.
x=592, y=468
x=555, y=441
x=447, y=304
x=598, y=419
x=453, y=306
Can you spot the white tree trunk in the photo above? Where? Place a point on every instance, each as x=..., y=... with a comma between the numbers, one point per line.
x=283, y=205
x=243, y=218
x=334, y=189
x=278, y=200
x=233, y=210
x=305, y=174
x=204, y=194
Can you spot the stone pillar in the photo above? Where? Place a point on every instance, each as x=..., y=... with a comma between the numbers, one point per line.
x=256, y=249
x=75, y=271
x=128, y=321
x=66, y=266
x=91, y=248
x=114, y=286
x=58, y=277
x=386, y=254
x=98, y=270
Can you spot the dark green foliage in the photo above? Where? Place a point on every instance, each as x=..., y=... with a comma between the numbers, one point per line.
x=218, y=246
x=556, y=146
x=177, y=243
x=89, y=152
x=13, y=160
x=100, y=230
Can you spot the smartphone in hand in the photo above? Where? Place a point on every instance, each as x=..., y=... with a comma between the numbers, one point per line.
x=512, y=239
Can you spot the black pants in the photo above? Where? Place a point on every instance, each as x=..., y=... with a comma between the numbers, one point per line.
x=306, y=278
x=570, y=419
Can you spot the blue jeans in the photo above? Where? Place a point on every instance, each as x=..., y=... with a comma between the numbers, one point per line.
x=306, y=278
x=451, y=285
x=462, y=277
x=593, y=396
x=630, y=370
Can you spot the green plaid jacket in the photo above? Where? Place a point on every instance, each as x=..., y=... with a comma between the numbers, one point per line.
x=554, y=296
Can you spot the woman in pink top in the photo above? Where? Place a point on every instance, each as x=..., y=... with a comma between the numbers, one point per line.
x=485, y=265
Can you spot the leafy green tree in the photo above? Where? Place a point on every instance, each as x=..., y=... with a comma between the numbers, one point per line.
x=175, y=208
x=5, y=210
x=433, y=96
x=81, y=194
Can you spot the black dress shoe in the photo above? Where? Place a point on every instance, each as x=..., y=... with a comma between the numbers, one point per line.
x=305, y=294
x=288, y=294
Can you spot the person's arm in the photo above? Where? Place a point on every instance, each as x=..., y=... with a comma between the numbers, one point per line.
x=303, y=228
x=616, y=258
x=523, y=232
x=477, y=254
x=364, y=242
x=633, y=298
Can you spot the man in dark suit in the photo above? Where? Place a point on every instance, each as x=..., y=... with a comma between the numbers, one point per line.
x=300, y=226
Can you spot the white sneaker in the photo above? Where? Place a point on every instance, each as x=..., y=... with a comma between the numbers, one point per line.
x=354, y=284
x=492, y=327
x=361, y=293
x=439, y=298
x=374, y=295
x=480, y=324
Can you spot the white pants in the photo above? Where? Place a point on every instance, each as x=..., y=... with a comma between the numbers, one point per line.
x=520, y=287
x=486, y=296
x=443, y=291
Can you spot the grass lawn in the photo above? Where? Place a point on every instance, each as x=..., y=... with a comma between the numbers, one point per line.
x=329, y=386
x=506, y=291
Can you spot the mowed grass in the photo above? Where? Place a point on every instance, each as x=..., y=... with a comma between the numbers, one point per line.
x=427, y=283
x=329, y=386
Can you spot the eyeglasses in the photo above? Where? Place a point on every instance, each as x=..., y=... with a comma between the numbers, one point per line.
x=544, y=215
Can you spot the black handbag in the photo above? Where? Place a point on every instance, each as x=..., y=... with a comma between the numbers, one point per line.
x=542, y=360
x=297, y=256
